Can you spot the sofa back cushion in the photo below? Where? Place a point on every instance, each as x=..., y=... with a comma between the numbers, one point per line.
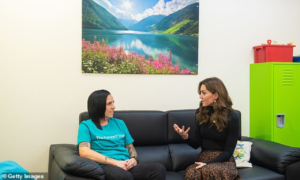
x=181, y=118
x=147, y=128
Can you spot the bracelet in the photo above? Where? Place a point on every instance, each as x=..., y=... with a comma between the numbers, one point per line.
x=135, y=158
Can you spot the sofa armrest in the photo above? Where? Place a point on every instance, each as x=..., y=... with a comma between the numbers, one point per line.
x=272, y=155
x=68, y=159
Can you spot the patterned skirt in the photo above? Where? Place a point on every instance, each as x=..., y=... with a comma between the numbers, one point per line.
x=213, y=171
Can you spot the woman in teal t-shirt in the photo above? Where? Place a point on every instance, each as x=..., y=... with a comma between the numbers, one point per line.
x=107, y=141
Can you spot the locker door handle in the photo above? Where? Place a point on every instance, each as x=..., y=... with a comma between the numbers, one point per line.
x=280, y=119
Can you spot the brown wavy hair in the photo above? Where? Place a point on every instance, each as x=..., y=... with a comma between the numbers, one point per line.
x=221, y=106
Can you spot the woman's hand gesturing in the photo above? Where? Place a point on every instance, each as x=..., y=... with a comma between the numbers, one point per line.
x=181, y=132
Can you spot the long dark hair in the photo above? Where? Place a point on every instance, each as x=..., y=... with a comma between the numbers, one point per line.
x=221, y=106
x=97, y=106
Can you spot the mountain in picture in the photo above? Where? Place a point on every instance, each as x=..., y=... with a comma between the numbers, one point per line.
x=145, y=24
x=127, y=22
x=183, y=22
x=95, y=16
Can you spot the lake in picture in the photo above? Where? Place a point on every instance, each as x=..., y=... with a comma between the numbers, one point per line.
x=183, y=48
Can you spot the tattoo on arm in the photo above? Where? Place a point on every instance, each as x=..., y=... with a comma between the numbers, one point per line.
x=84, y=144
x=132, y=151
x=106, y=158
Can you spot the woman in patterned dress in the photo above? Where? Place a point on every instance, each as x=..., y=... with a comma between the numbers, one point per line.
x=216, y=132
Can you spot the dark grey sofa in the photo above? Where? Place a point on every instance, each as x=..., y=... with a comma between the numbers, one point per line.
x=156, y=141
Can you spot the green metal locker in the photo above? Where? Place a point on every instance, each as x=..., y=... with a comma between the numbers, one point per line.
x=275, y=102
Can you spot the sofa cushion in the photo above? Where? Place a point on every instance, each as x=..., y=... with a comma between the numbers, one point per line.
x=70, y=162
x=273, y=155
x=175, y=175
x=159, y=154
x=259, y=173
x=183, y=156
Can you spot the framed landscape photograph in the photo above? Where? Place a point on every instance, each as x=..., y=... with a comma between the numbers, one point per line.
x=140, y=37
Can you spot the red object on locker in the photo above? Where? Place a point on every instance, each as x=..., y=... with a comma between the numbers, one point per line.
x=273, y=53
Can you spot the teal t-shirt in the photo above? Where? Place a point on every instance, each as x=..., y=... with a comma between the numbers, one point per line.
x=110, y=141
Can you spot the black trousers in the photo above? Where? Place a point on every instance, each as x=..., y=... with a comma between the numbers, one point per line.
x=142, y=171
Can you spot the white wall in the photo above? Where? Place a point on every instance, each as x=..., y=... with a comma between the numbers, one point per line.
x=43, y=89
